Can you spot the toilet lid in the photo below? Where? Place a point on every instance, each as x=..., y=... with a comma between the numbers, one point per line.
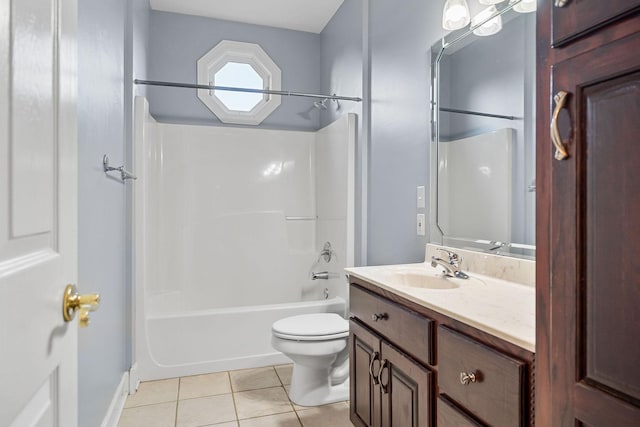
x=317, y=326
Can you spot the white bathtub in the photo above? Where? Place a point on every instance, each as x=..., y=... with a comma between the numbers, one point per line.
x=228, y=226
x=192, y=343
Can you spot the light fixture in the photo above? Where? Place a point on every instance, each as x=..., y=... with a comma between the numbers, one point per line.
x=455, y=15
x=490, y=1
x=524, y=6
x=490, y=27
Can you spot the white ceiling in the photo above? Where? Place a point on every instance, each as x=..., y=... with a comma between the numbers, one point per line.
x=302, y=15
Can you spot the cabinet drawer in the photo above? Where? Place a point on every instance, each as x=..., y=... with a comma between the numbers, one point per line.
x=450, y=416
x=407, y=330
x=497, y=394
x=578, y=18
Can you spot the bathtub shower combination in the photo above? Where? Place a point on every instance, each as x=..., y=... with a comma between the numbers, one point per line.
x=229, y=227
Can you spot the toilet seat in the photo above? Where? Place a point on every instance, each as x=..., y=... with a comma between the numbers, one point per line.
x=311, y=327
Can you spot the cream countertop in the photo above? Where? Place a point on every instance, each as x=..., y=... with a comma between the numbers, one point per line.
x=499, y=307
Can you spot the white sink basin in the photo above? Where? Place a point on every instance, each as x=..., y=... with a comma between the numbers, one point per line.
x=421, y=280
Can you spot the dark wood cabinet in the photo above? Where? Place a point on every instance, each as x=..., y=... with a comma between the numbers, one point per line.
x=407, y=390
x=580, y=17
x=588, y=258
x=395, y=385
x=388, y=387
x=494, y=391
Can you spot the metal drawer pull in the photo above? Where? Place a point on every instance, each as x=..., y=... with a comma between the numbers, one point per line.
x=383, y=365
x=373, y=359
x=379, y=316
x=560, y=3
x=561, y=153
x=466, y=378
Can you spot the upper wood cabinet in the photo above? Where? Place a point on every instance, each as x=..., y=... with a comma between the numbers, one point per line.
x=579, y=17
x=588, y=227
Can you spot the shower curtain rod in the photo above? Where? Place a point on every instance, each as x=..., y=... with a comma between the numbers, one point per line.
x=477, y=113
x=247, y=90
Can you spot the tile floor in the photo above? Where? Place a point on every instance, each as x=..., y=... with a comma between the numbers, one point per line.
x=244, y=398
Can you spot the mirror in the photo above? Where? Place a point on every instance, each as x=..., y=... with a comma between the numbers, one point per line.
x=483, y=140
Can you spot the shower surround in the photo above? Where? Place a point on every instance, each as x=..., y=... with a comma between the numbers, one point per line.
x=229, y=224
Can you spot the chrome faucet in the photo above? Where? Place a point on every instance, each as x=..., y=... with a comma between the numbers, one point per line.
x=452, y=266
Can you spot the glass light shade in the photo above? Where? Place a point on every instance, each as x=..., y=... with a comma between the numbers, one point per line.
x=525, y=6
x=490, y=1
x=455, y=15
x=490, y=27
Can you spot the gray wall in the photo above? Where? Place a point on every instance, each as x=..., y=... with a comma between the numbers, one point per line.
x=105, y=50
x=178, y=41
x=341, y=60
x=342, y=68
x=400, y=37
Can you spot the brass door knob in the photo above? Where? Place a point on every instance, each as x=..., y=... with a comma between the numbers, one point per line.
x=73, y=302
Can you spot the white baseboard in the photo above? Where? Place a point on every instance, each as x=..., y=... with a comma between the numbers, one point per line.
x=117, y=403
x=134, y=379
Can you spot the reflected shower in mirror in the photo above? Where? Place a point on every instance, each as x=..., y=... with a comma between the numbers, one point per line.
x=483, y=150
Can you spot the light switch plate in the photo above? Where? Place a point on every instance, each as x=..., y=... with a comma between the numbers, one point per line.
x=420, y=197
x=420, y=227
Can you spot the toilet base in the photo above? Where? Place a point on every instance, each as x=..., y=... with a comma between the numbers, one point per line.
x=312, y=387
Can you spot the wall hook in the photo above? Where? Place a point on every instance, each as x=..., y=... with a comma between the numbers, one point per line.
x=124, y=174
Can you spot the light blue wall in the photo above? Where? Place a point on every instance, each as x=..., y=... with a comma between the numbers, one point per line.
x=342, y=65
x=400, y=37
x=105, y=33
x=178, y=41
x=341, y=60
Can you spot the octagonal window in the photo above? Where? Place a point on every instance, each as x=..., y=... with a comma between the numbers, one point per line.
x=237, y=74
x=239, y=65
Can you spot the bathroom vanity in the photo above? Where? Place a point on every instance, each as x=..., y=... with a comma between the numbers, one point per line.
x=431, y=351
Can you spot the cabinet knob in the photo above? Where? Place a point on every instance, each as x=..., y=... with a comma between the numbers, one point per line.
x=560, y=3
x=379, y=316
x=466, y=378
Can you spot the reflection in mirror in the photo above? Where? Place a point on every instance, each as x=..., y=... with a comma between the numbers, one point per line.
x=483, y=150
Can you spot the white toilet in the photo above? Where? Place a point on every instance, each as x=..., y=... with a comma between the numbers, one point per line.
x=317, y=344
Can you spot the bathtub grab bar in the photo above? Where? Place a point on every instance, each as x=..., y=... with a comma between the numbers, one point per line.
x=300, y=218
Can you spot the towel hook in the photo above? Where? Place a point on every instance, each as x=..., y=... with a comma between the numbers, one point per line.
x=124, y=174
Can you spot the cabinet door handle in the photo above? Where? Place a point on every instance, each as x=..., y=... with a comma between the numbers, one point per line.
x=379, y=316
x=466, y=378
x=560, y=3
x=383, y=365
x=373, y=359
x=561, y=152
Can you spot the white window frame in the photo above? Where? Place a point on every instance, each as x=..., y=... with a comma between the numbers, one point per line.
x=248, y=53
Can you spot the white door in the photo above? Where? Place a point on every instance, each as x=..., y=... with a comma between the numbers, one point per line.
x=38, y=197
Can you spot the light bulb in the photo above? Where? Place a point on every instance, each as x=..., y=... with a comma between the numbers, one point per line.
x=455, y=15
x=524, y=6
x=490, y=27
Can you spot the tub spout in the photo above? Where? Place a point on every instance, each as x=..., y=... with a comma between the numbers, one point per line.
x=324, y=275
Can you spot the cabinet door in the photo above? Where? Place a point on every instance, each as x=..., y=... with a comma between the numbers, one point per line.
x=594, y=240
x=364, y=363
x=578, y=17
x=406, y=391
